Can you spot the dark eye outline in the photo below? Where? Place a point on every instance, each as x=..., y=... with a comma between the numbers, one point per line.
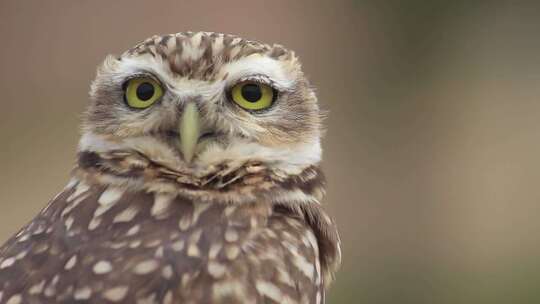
x=275, y=94
x=126, y=81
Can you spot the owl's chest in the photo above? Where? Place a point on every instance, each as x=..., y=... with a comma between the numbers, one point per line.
x=98, y=237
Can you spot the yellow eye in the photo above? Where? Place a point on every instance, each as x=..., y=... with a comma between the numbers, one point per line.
x=142, y=92
x=252, y=95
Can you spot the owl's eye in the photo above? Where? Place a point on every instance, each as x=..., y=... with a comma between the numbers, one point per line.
x=142, y=92
x=253, y=96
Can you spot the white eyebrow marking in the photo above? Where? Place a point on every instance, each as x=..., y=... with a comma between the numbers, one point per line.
x=257, y=64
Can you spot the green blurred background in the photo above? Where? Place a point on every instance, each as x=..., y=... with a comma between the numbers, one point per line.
x=432, y=146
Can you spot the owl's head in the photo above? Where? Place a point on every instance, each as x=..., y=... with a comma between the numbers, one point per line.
x=194, y=101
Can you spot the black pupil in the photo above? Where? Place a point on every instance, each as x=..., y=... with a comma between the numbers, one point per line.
x=145, y=91
x=251, y=92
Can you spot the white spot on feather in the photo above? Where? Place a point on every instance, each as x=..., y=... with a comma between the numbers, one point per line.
x=110, y=196
x=71, y=262
x=231, y=235
x=301, y=262
x=146, y=267
x=269, y=290
x=178, y=245
x=15, y=299
x=198, y=209
x=83, y=293
x=94, y=223
x=7, y=262
x=168, y=299
x=116, y=294
x=193, y=250
x=21, y=255
x=126, y=215
x=232, y=252
x=216, y=269
x=102, y=267
x=38, y=288
x=69, y=222
x=214, y=250
x=133, y=230
x=228, y=288
x=167, y=272
x=80, y=189
x=161, y=203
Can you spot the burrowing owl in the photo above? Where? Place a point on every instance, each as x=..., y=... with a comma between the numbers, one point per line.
x=197, y=181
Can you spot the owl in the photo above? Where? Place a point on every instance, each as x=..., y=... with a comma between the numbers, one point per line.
x=197, y=180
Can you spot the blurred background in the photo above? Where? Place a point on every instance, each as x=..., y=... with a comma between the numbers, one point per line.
x=432, y=146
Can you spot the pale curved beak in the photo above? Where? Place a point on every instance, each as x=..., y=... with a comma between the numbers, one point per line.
x=190, y=131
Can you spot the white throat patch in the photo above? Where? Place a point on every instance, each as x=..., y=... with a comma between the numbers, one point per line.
x=291, y=160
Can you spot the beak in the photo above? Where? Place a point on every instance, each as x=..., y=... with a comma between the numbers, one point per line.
x=190, y=131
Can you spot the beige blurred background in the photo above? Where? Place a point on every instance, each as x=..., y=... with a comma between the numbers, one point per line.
x=433, y=142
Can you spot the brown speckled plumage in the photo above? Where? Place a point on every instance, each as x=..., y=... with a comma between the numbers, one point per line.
x=171, y=47
x=243, y=223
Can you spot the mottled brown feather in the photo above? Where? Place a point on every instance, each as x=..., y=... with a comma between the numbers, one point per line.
x=178, y=247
